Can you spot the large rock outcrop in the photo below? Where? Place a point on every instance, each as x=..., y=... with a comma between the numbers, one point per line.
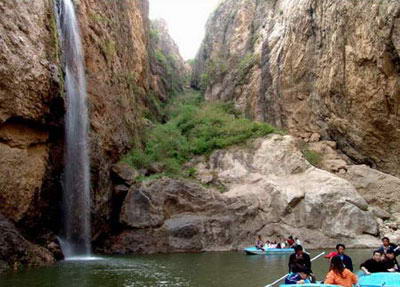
x=270, y=189
x=326, y=66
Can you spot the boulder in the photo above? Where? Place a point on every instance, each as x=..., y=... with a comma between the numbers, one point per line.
x=16, y=251
x=379, y=189
x=123, y=173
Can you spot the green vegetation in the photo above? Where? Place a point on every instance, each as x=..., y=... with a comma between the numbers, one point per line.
x=194, y=128
x=108, y=48
x=312, y=157
x=244, y=66
x=154, y=35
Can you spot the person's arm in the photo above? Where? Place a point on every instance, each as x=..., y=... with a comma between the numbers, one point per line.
x=307, y=261
x=365, y=270
x=364, y=267
x=349, y=264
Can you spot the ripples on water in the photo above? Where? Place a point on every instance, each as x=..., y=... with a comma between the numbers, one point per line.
x=223, y=269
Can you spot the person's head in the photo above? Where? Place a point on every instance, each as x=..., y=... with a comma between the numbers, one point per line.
x=340, y=248
x=390, y=255
x=336, y=265
x=291, y=237
x=386, y=241
x=298, y=249
x=377, y=255
x=268, y=241
x=259, y=237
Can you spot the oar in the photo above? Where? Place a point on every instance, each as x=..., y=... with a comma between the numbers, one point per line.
x=276, y=281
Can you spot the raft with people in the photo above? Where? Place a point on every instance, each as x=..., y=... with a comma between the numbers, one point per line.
x=272, y=247
x=255, y=251
x=382, y=269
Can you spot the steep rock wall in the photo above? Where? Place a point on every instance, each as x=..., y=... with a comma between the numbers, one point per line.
x=167, y=63
x=329, y=66
x=122, y=90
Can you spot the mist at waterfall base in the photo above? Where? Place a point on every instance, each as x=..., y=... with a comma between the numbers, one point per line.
x=76, y=240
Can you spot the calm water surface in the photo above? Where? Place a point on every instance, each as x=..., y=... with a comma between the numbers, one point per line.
x=220, y=269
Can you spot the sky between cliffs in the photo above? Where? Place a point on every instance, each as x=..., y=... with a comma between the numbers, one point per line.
x=186, y=21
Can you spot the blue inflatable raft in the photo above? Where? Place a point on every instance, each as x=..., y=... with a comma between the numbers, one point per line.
x=386, y=279
x=308, y=285
x=254, y=251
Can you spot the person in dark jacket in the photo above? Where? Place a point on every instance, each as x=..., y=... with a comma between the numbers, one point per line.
x=299, y=257
x=389, y=262
x=387, y=245
x=345, y=258
x=374, y=264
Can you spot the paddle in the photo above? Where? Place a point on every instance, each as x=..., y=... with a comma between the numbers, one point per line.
x=276, y=281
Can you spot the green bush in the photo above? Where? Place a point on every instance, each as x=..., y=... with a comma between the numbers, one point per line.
x=194, y=128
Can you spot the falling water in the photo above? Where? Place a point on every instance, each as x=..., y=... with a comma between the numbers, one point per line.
x=76, y=239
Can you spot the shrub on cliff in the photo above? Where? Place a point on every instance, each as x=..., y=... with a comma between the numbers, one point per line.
x=194, y=128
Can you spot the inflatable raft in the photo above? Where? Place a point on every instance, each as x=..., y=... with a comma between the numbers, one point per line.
x=255, y=251
x=386, y=279
x=308, y=285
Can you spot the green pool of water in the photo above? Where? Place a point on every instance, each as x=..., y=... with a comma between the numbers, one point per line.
x=219, y=269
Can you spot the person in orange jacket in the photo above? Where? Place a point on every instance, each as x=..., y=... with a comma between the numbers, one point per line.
x=339, y=275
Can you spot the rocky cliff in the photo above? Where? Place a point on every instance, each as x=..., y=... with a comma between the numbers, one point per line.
x=122, y=90
x=329, y=67
x=167, y=63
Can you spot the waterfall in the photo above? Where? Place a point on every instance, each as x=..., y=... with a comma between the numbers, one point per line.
x=76, y=239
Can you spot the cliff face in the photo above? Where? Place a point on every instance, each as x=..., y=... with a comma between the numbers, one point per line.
x=329, y=67
x=167, y=63
x=122, y=90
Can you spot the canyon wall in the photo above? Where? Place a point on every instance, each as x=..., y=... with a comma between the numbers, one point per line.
x=328, y=68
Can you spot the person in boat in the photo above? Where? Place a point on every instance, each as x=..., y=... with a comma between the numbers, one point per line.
x=389, y=262
x=260, y=243
x=290, y=241
x=299, y=257
x=387, y=245
x=373, y=264
x=347, y=262
x=299, y=275
x=339, y=275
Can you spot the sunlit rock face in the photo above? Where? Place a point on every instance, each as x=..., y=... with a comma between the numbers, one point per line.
x=269, y=189
x=329, y=67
